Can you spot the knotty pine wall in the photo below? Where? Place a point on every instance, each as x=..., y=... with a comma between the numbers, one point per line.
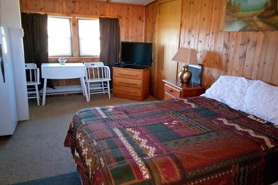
x=253, y=55
x=131, y=17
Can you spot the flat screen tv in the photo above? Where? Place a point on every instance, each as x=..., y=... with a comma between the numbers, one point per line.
x=136, y=53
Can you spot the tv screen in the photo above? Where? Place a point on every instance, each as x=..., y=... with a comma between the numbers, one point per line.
x=136, y=53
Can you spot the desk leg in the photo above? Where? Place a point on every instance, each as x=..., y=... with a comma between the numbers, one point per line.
x=83, y=85
x=44, y=91
x=84, y=93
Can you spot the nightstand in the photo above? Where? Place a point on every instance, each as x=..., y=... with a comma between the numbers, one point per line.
x=174, y=89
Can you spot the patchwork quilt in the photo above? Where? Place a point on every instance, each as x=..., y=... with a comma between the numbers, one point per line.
x=181, y=141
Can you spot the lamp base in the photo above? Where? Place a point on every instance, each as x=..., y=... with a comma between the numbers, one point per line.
x=184, y=75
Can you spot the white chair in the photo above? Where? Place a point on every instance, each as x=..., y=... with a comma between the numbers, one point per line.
x=97, y=78
x=33, y=80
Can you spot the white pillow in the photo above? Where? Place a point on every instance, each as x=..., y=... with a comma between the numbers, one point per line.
x=229, y=90
x=261, y=100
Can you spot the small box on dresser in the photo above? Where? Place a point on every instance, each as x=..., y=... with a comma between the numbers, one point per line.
x=131, y=83
x=175, y=89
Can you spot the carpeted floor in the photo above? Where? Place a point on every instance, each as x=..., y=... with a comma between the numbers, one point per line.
x=65, y=179
x=35, y=154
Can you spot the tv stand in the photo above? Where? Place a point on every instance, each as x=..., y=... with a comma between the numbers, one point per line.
x=131, y=83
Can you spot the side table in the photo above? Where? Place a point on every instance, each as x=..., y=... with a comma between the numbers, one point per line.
x=175, y=89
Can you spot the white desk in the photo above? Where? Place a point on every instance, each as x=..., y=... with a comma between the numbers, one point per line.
x=66, y=71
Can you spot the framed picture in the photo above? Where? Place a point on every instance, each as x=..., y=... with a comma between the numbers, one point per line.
x=251, y=15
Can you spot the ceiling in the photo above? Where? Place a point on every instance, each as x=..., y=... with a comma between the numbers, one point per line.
x=139, y=2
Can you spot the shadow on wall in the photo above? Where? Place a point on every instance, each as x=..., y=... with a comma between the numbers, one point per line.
x=213, y=67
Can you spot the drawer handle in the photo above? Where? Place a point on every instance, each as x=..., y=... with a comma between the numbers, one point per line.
x=171, y=91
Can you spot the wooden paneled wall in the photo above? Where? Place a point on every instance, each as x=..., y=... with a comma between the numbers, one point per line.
x=132, y=17
x=253, y=55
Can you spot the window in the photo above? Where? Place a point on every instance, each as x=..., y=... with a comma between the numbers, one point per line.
x=70, y=36
x=59, y=36
x=89, y=43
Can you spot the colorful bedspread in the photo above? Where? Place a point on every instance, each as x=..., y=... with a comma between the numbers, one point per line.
x=181, y=141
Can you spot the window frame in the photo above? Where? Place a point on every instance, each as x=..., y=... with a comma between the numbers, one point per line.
x=74, y=30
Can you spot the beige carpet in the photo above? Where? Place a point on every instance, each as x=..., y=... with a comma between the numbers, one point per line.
x=36, y=149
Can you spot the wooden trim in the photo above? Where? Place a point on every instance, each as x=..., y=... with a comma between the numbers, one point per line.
x=75, y=39
x=75, y=59
x=164, y=1
x=156, y=51
x=68, y=15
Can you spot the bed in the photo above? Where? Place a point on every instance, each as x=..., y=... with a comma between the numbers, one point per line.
x=197, y=140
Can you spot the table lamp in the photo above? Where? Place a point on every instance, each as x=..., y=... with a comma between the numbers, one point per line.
x=186, y=56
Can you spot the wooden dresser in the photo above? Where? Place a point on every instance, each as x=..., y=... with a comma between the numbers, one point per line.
x=131, y=83
x=174, y=89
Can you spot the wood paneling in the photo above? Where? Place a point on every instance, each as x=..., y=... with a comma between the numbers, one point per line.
x=253, y=55
x=132, y=17
x=151, y=13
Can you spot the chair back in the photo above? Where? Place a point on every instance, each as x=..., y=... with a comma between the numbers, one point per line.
x=32, y=73
x=97, y=73
x=91, y=64
x=33, y=80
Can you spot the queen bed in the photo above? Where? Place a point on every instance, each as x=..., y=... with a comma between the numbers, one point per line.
x=211, y=139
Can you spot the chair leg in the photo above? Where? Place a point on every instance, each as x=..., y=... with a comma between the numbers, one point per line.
x=103, y=91
x=44, y=92
x=108, y=86
x=88, y=90
x=37, y=94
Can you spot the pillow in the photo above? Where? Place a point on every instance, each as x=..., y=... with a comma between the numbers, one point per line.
x=229, y=90
x=261, y=100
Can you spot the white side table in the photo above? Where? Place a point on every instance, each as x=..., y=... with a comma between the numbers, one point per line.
x=66, y=71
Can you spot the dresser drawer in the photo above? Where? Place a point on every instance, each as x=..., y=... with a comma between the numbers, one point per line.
x=128, y=73
x=127, y=90
x=127, y=82
x=172, y=91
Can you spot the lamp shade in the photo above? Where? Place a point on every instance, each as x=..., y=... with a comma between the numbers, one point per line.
x=187, y=56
